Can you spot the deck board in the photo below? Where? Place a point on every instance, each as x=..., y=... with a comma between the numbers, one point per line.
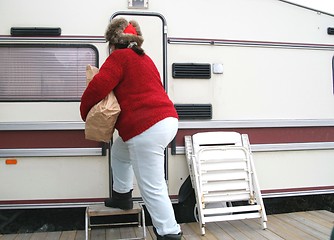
x=40, y=235
x=150, y=233
x=323, y=219
x=288, y=231
x=67, y=235
x=257, y=227
x=232, y=231
x=25, y=236
x=53, y=235
x=80, y=235
x=311, y=225
x=8, y=237
x=197, y=231
x=247, y=231
x=308, y=225
x=218, y=232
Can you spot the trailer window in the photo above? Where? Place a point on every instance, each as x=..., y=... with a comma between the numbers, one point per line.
x=44, y=72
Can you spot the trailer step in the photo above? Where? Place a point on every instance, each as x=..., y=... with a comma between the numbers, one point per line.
x=100, y=210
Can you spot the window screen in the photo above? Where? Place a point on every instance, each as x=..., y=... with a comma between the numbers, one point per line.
x=44, y=72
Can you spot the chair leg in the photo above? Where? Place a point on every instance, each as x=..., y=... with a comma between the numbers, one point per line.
x=203, y=230
x=143, y=222
x=264, y=225
x=87, y=225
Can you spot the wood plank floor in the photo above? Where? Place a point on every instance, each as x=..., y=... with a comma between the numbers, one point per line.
x=309, y=225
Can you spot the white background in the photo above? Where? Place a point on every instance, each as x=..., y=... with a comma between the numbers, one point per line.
x=322, y=5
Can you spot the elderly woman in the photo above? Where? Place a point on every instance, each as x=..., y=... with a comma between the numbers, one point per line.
x=146, y=125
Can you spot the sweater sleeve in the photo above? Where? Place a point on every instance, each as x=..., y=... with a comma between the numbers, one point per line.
x=101, y=85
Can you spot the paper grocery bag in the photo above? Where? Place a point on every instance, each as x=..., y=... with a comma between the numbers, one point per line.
x=101, y=119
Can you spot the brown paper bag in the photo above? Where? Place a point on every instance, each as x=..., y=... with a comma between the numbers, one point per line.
x=101, y=119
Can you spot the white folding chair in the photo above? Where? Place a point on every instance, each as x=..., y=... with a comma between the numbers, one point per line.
x=222, y=171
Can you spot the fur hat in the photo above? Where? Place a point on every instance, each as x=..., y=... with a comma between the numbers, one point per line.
x=115, y=33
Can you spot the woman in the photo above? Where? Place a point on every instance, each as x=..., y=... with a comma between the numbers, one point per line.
x=146, y=125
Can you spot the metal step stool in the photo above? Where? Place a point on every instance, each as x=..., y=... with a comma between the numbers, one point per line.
x=100, y=210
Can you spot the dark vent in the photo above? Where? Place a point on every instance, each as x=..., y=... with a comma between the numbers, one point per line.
x=330, y=31
x=191, y=70
x=34, y=32
x=194, y=111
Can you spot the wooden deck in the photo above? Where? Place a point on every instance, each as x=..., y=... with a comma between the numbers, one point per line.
x=292, y=226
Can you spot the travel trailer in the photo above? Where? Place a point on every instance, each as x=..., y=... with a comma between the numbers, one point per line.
x=257, y=67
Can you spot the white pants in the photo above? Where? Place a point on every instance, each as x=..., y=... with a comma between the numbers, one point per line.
x=144, y=155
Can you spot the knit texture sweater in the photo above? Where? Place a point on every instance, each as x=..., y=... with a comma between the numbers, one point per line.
x=137, y=86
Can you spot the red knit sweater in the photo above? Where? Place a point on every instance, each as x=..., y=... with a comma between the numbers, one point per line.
x=136, y=83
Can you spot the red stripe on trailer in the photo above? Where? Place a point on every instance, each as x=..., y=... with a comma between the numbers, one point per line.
x=45, y=139
x=271, y=135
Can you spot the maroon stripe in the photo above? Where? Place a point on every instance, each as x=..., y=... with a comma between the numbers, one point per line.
x=305, y=189
x=271, y=135
x=51, y=201
x=288, y=190
x=45, y=139
x=88, y=200
x=250, y=42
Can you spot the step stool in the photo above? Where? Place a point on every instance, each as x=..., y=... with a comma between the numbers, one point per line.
x=100, y=210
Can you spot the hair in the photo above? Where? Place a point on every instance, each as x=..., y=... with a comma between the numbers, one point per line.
x=115, y=35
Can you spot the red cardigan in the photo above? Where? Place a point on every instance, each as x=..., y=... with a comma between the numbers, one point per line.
x=136, y=83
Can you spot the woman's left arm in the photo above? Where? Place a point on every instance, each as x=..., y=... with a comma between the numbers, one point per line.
x=102, y=84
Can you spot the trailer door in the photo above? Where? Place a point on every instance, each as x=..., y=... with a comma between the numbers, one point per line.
x=153, y=27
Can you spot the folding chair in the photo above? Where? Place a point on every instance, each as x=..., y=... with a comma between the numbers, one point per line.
x=223, y=177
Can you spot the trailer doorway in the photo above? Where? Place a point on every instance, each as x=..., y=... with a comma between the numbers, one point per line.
x=154, y=29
